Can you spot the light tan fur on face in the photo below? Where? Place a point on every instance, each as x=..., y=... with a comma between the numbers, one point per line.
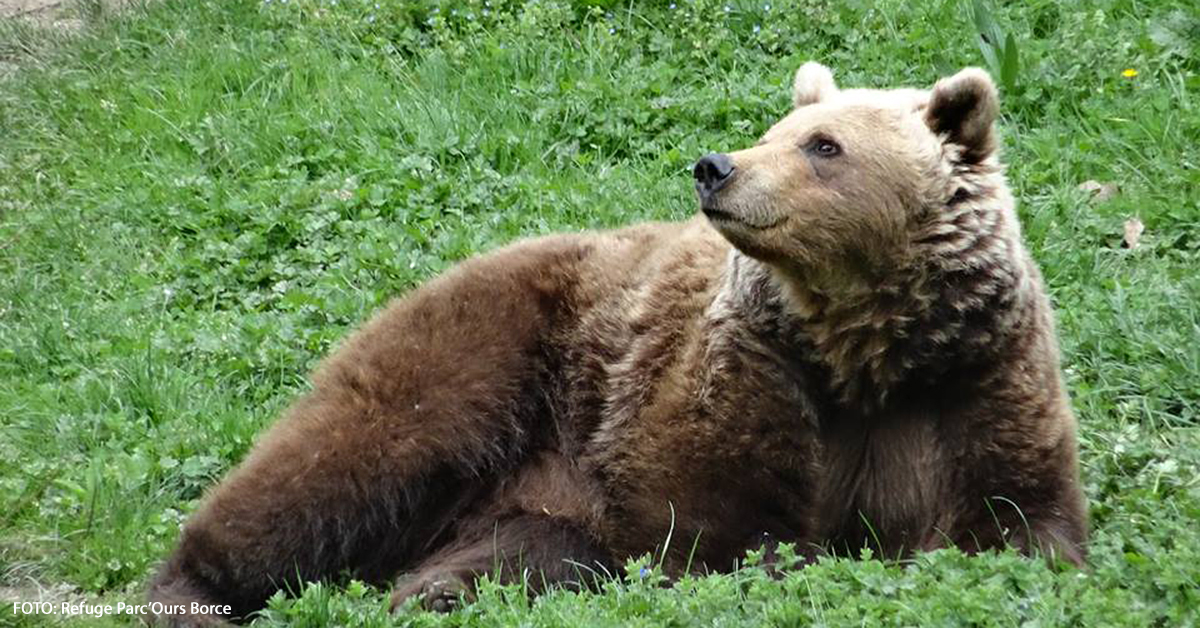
x=810, y=214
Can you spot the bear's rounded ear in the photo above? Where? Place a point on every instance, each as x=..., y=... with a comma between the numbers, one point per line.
x=963, y=107
x=814, y=82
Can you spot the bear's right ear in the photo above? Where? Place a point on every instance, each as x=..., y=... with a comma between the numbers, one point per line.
x=963, y=107
x=814, y=83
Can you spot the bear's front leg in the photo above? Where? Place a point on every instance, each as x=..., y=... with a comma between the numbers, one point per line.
x=1031, y=501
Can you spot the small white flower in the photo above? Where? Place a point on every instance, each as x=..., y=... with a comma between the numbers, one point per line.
x=757, y=28
x=672, y=7
x=767, y=7
x=612, y=31
x=728, y=8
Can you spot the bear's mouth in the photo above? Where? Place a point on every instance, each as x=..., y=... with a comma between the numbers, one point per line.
x=720, y=216
x=717, y=214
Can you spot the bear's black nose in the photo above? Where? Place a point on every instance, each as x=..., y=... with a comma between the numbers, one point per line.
x=712, y=172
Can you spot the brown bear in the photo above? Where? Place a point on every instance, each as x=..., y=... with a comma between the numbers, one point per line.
x=851, y=346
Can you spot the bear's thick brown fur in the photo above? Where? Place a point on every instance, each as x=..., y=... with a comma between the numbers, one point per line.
x=851, y=347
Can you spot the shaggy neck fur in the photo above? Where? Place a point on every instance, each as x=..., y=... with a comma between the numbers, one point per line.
x=962, y=292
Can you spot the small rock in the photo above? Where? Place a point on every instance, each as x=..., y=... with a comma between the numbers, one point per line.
x=1100, y=191
x=1133, y=233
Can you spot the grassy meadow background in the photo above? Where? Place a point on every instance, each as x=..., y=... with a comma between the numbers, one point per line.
x=198, y=198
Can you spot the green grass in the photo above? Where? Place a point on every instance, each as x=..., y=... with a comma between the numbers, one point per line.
x=198, y=198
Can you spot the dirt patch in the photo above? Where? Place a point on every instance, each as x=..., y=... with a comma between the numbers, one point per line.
x=38, y=23
x=58, y=13
x=38, y=593
x=28, y=8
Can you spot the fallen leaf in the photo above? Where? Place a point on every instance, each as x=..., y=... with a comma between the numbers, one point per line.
x=1133, y=233
x=1101, y=191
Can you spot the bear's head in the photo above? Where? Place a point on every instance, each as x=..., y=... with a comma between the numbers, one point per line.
x=842, y=188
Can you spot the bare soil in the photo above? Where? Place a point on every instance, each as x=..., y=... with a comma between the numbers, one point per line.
x=28, y=8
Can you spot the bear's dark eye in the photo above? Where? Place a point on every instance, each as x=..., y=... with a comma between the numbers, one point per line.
x=826, y=147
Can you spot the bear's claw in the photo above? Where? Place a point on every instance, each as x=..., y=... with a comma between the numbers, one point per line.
x=440, y=593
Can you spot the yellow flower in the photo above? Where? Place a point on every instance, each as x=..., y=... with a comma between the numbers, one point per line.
x=1129, y=73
